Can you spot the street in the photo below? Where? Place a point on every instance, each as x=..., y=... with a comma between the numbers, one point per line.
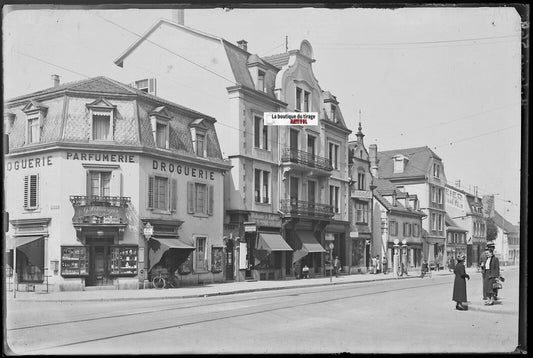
x=395, y=316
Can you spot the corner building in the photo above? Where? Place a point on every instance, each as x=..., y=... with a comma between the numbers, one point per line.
x=90, y=164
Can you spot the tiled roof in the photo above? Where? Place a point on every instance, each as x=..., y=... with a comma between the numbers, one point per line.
x=502, y=223
x=279, y=60
x=239, y=65
x=384, y=186
x=418, y=163
x=451, y=225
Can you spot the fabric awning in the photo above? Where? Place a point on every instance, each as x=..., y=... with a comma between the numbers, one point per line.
x=305, y=244
x=268, y=243
x=158, y=247
x=31, y=246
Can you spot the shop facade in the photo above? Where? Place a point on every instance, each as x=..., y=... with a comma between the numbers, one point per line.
x=85, y=181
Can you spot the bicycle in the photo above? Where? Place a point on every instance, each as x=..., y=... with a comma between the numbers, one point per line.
x=163, y=281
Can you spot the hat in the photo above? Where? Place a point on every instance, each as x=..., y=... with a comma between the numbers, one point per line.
x=460, y=257
x=490, y=245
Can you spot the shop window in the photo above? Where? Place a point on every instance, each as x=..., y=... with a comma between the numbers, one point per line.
x=74, y=261
x=31, y=192
x=217, y=254
x=201, y=254
x=124, y=260
x=199, y=198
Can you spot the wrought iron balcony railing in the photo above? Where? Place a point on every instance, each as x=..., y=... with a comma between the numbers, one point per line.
x=97, y=200
x=305, y=158
x=306, y=208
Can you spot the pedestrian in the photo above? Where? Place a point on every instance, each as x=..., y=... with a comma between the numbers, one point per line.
x=492, y=275
x=484, y=258
x=384, y=265
x=337, y=266
x=459, y=284
x=425, y=269
x=305, y=271
x=377, y=264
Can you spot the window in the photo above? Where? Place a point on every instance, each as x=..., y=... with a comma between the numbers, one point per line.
x=306, y=101
x=436, y=170
x=398, y=165
x=161, y=135
x=31, y=192
x=34, y=130
x=201, y=254
x=333, y=114
x=433, y=221
x=260, y=133
x=200, y=145
x=99, y=184
x=406, y=229
x=262, y=186
x=334, y=198
x=298, y=99
x=162, y=195
x=142, y=85
x=334, y=155
x=440, y=222
x=440, y=195
x=146, y=85
x=199, y=198
x=101, y=126
x=416, y=230
x=261, y=81
x=361, y=212
x=361, y=185
x=393, y=228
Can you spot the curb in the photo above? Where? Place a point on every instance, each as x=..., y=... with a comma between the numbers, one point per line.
x=200, y=295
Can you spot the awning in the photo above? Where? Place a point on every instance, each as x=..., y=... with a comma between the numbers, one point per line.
x=268, y=243
x=31, y=246
x=158, y=247
x=305, y=244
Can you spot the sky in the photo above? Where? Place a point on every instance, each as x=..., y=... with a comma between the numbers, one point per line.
x=446, y=78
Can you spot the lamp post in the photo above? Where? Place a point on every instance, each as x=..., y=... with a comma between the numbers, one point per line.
x=395, y=259
x=332, y=261
x=404, y=256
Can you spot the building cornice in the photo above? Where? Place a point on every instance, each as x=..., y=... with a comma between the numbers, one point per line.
x=256, y=94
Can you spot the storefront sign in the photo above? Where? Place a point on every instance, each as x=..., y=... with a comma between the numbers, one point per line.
x=265, y=219
x=454, y=198
x=361, y=194
x=250, y=227
x=101, y=157
x=37, y=162
x=183, y=170
x=354, y=234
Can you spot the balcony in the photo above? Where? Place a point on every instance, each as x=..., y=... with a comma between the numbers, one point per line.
x=305, y=208
x=306, y=160
x=96, y=200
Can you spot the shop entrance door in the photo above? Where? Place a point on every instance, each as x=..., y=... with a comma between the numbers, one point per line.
x=100, y=262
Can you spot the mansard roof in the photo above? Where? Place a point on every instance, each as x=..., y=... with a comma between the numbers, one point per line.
x=279, y=60
x=419, y=162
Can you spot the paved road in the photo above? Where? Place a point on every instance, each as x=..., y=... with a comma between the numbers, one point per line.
x=392, y=316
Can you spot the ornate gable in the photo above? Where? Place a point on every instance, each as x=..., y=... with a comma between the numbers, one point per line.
x=160, y=112
x=101, y=104
x=33, y=107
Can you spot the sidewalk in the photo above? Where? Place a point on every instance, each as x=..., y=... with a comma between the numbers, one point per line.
x=214, y=289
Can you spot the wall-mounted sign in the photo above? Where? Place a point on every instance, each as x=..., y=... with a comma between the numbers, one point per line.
x=361, y=194
x=250, y=227
x=454, y=198
x=29, y=163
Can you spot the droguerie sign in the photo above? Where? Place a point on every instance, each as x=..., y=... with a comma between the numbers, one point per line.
x=36, y=162
x=183, y=170
x=291, y=118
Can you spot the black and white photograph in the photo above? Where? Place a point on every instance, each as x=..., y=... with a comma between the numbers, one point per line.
x=264, y=180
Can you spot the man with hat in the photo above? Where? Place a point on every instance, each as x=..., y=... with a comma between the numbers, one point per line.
x=484, y=258
x=492, y=274
x=459, y=284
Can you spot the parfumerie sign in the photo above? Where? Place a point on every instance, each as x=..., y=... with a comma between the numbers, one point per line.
x=291, y=118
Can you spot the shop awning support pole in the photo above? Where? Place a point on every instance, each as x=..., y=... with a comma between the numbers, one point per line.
x=15, y=272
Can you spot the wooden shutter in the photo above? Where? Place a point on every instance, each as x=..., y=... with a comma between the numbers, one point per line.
x=190, y=197
x=26, y=191
x=152, y=86
x=34, y=191
x=150, y=203
x=210, y=195
x=174, y=195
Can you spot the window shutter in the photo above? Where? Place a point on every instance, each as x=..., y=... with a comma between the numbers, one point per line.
x=190, y=197
x=150, y=192
x=174, y=195
x=34, y=191
x=151, y=86
x=26, y=191
x=210, y=189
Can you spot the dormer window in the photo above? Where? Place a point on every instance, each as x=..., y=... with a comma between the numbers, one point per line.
x=101, y=114
x=399, y=163
x=147, y=85
x=261, y=81
x=35, y=113
x=436, y=170
x=160, y=120
x=333, y=114
x=199, y=135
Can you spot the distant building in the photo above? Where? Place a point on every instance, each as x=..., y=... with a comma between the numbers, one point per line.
x=456, y=242
x=90, y=165
x=507, y=242
x=420, y=171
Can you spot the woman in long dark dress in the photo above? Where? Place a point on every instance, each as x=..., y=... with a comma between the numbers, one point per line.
x=459, y=284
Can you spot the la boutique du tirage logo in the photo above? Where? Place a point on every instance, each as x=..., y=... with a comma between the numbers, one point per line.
x=291, y=118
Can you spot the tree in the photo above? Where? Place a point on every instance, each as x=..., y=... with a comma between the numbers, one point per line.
x=492, y=229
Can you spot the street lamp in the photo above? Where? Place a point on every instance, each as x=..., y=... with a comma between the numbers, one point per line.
x=395, y=260
x=332, y=261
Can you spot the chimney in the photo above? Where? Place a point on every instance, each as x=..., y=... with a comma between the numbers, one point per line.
x=373, y=156
x=243, y=44
x=178, y=16
x=55, y=79
x=458, y=183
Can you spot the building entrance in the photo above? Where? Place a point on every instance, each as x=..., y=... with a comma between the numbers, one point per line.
x=99, y=261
